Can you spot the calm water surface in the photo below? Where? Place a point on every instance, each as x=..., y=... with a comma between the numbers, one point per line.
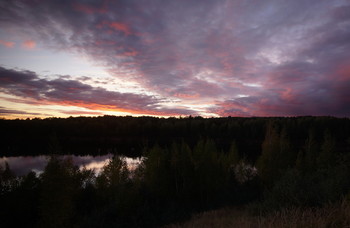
x=24, y=164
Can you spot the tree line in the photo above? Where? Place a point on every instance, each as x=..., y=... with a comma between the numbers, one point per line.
x=175, y=179
x=130, y=135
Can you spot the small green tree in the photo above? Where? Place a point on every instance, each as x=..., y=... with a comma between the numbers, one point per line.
x=311, y=150
x=8, y=180
x=60, y=185
x=277, y=155
x=267, y=163
x=327, y=158
x=300, y=161
x=232, y=158
x=113, y=175
x=287, y=155
x=183, y=170
x=115, y=193
x=158, y=173
x=228, y=162
x=207, y=170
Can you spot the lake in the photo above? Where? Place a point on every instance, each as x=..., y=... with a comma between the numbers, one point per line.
x=22, y=165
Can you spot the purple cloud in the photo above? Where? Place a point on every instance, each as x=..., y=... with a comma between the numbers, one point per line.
x=28, y=85
x=4, y=111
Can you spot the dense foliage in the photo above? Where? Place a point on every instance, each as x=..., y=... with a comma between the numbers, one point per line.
x=190, y=164
x=130, y=135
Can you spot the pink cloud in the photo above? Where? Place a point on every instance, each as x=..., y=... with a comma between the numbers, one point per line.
x=343, y=71
x=7, y=44
x=115, y=25
x=120, y=27
x=90, y=9
x=130, y=53
x=104, y=42
x=29, y=44
x=186, y=96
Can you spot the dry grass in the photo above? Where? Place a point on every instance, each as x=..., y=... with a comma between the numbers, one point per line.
x=335, y=215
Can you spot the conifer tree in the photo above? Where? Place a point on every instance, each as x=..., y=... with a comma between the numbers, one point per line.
x=287, y=156
x=326, y=157
x=267, y=163
x=158, y=174
x=207, y=169
x=311, y=149
x=60, y=185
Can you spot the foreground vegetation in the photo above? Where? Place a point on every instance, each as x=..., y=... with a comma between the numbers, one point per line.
x=330, y=215
x=301, y=169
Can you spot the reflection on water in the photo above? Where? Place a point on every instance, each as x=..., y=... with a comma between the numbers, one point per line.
x=24, y=164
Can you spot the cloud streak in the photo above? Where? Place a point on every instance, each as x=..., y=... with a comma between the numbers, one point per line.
x=5, y=111
x=28, y=85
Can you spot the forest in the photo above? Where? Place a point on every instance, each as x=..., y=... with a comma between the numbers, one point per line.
x=190, y=164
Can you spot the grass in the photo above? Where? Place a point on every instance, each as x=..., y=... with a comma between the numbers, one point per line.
x=332, y=215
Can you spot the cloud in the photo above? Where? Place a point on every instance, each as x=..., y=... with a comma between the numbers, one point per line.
x=83, y=113
x=29, y=44
x=28, y=85
x=5, y=111
x=90, y=8
x=244, y=57
x=119, y=27
x=7, y=44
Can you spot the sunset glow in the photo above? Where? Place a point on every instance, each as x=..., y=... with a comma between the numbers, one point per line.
x=174, y=58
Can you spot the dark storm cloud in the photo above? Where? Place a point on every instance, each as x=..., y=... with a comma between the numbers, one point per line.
x=27, y=84
x=296, y=52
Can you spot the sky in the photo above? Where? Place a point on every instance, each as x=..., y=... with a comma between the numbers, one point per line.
x=212, y=58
